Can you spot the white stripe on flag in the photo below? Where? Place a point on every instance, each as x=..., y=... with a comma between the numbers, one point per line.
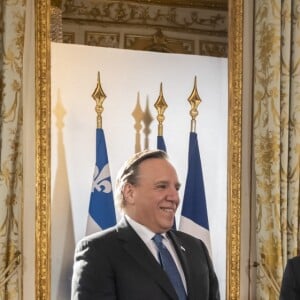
x=194, y=229
x=92, y=226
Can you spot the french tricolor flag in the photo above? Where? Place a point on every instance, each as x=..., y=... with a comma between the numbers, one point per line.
x=194, y=219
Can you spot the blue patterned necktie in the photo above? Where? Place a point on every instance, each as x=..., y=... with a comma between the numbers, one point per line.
x=169, y=267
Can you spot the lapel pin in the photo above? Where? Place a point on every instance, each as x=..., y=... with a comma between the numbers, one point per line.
x=182, y=248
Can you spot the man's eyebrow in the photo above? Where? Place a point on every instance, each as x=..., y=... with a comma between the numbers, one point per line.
x=177, y=184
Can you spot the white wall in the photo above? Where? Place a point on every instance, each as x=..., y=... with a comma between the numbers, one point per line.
x=123, y=74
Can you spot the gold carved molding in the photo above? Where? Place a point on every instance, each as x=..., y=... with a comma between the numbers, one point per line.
x=102, y=39
x=174, y=17
x=159, y=42
x=212, y=48
x=208, y=4
x=235, y=62
x=56, y=24
x=43, y=150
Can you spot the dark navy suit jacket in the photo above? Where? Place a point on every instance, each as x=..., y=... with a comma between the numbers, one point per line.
x=115, y=264
x=290, y=287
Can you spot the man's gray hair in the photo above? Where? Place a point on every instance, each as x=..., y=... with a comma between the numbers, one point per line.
x=130, y=171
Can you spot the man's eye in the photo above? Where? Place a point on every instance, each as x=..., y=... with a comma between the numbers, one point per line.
x=161, y=186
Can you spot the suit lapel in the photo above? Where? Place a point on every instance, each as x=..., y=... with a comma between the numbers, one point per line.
x=182, y=255
x=139, y=252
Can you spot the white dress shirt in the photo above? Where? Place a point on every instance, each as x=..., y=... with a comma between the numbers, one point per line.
x=146, y=235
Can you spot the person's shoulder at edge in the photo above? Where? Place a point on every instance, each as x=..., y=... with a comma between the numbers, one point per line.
x=103, y=235
x=295, y=259
x=97, y=236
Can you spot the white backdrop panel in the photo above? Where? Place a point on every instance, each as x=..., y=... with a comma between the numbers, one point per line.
x=123, y=75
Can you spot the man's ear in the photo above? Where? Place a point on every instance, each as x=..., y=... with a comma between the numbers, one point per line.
x=128, y=193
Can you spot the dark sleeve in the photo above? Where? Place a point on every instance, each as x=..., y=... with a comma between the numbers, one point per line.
x=202, y=280
x=214, y=291
x=92, y=274
x=289, y=288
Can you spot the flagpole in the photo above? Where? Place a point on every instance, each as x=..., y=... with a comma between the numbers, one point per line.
x=194, y=217
x=194, y=100
x=160, y=106
x=99, y=96
x=101, y=213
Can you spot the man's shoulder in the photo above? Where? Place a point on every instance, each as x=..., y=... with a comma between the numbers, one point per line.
x=102, y=234
x=295, y=261
x=187, y=238
x=97, y=237
x=184, y=235
x=106, y=236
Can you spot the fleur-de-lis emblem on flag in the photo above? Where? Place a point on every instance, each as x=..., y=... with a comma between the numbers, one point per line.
x=101, y=180
x=101, y=209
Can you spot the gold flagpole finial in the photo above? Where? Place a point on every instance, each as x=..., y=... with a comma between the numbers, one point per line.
x=160, y=106
x=194, y=100
x=99, y=96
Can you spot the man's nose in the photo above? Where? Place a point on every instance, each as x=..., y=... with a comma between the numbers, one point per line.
x=173, y=195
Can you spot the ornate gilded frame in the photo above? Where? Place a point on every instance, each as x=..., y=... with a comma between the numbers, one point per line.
x=43, y=149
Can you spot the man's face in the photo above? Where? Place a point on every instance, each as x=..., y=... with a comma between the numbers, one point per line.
x=154, y=199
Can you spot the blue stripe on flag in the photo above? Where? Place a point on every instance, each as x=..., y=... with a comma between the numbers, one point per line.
x=161, y=143
x=194, y=202
x=101, y=207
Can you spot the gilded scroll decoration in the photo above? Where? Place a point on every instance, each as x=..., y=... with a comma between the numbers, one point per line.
x=159, y=42
x=68, y=37
x=102, y=39
x=56, y=25
x=276, y=139
x=139, y=14
x=212, y=48
x=166, y=27
x=12, y=20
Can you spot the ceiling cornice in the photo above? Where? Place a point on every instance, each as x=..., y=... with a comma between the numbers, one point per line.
x=204, y=4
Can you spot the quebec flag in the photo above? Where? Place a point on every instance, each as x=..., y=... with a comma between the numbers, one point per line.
x=101, y=209
x=161, y=143
x=194, y=220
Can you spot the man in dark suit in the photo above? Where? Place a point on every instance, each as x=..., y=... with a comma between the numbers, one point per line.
x=124, y=262
x=290, y=287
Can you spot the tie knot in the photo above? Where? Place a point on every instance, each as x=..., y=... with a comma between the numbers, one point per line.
x=158, y=239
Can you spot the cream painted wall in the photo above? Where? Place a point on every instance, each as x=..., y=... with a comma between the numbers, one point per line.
x=124, y=73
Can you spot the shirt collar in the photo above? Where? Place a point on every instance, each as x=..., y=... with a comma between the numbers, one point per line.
x=145, y=233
